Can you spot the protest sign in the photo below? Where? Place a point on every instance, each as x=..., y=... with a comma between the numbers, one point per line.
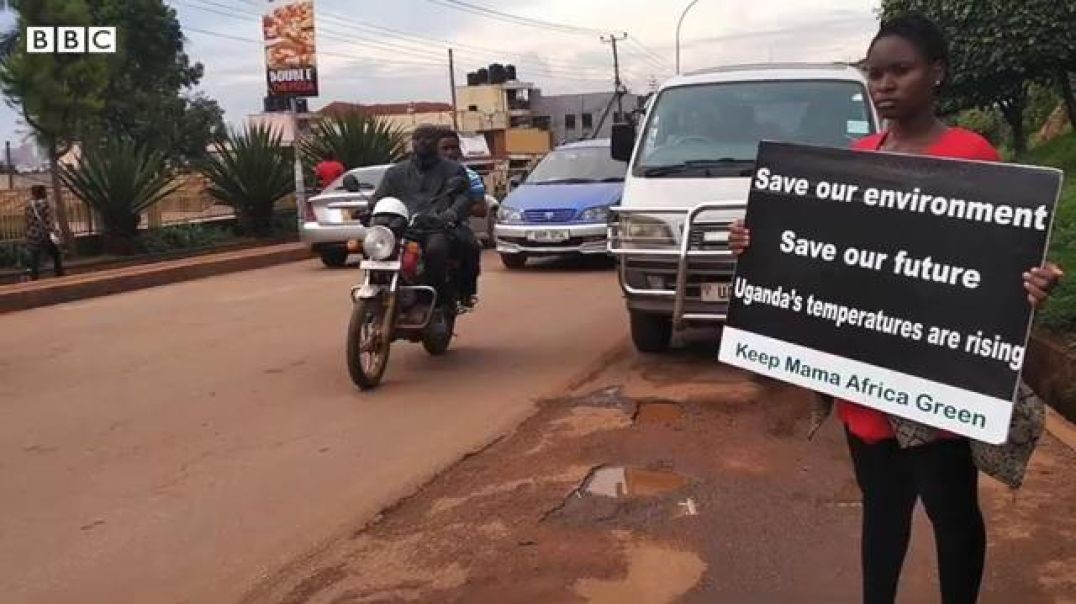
x=893, y=281
x=290, y=48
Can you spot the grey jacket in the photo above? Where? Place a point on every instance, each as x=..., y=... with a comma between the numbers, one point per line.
x=418, y=186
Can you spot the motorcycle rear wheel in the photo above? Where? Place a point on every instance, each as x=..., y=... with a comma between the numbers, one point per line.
x=367, y=345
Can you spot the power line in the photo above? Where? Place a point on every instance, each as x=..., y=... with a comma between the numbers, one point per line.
x=518, y=19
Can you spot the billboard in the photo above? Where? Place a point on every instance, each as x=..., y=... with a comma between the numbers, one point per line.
x=290, y=48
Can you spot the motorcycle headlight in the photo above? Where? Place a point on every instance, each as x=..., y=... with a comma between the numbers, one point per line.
x=509, y=215
x=379, y=243
x=596, y=214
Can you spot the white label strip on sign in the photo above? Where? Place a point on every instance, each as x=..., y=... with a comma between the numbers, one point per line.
x=959, y=411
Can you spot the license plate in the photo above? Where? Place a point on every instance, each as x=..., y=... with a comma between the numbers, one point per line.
x=716, y=292
x=548, y=236
x=380, y=265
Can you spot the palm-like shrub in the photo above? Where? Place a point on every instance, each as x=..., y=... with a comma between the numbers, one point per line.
x=251, y=170
x=120, y=180
x=356, y=140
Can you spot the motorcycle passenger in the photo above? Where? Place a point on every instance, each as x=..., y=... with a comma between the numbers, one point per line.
x=470, y=250
x=424, y=184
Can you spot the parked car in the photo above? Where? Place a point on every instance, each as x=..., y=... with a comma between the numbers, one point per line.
x=690, y=176
x=330, y=217
x=562, y=207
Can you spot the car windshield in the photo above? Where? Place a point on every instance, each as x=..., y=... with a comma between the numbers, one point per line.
x=695, y=130
x=580, y=165
x=368, y=178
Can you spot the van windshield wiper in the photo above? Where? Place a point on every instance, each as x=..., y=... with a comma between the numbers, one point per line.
x=696, y=164
x=565, y=181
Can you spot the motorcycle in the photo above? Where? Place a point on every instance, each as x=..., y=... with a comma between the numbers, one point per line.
x=393, y=302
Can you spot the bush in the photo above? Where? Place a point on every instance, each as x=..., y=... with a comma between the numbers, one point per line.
x=184, y=237
x=1060, y=314
x=250, y=170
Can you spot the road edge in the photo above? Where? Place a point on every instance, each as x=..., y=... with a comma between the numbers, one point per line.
x=36, y=294
x=269, y=579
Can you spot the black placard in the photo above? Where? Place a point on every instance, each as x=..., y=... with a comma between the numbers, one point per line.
x=832, y=296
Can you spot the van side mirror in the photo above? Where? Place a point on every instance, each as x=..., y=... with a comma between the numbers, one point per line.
x=623, y=142
x=515, y=181
x=351, y=184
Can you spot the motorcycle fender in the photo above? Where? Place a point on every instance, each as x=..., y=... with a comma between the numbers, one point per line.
x=366, y=292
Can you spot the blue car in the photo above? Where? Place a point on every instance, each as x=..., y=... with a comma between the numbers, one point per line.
x=562, y=207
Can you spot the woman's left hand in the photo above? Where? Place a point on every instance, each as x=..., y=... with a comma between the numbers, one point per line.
x=1039, y=282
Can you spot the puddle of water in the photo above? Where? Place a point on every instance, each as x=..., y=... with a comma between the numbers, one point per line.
x=655, y=574
x=659, y=414
x=621, y=482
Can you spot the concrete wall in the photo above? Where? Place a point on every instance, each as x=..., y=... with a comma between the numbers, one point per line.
x=559, y=107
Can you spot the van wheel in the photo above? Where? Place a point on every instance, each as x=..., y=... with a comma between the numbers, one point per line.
x=514, y=261
x=650, y=332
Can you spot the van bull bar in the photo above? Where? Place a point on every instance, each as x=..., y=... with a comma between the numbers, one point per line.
x=693, y=238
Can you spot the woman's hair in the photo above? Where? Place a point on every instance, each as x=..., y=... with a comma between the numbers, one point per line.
x=921, y=32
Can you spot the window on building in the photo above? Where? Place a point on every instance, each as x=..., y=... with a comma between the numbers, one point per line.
x=472, y=107
x=569, y=121
x=588, y=121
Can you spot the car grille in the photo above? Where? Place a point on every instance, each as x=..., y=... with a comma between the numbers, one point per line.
x=548, y=215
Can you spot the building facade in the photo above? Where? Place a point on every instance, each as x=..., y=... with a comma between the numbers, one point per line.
x=573, y=117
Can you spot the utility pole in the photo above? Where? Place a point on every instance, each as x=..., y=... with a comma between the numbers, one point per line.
x=680, y=24
x=10, y=168
x=618, y=93
x=452, y=84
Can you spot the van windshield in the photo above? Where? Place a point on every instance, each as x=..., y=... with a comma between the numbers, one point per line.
x=714, y=129
x=579, y=165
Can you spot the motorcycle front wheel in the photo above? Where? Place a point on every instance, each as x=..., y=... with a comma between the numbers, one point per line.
x=368, y=344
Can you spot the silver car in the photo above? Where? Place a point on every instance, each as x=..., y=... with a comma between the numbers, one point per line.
x=330, y=217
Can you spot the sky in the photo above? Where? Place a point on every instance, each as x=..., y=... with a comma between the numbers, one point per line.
x=395, y=50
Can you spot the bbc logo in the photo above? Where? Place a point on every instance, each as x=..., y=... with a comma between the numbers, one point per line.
x=70, y=40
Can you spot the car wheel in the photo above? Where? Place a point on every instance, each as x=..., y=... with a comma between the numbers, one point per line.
x=333, y=257
x=514, y=261
x=650, y=332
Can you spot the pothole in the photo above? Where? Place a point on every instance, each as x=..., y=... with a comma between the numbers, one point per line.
x=659, y=414
x=624, y=482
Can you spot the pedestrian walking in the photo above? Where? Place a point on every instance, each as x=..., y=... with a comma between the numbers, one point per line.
x=42, y=236
x=897, y=461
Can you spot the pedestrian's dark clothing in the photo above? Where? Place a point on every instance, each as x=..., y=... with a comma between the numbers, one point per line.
x=40, y=224
x=943, y=475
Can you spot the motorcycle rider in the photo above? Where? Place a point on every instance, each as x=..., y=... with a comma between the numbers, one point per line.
x=470, y=250
x=425, y=183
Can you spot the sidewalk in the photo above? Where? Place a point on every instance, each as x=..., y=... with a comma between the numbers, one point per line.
x=670, y=479
x=33, y=294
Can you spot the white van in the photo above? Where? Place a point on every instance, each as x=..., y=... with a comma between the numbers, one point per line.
x=692, y=165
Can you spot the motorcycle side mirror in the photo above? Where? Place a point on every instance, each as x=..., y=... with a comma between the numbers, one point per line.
x=351, y=184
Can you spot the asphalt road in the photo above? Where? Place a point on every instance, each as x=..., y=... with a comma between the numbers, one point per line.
x=180, y=443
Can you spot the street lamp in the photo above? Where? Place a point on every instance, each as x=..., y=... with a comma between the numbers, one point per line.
x=678, y=24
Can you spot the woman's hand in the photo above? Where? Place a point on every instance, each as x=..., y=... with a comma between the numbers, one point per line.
x=1039, y=282
x=739, y=237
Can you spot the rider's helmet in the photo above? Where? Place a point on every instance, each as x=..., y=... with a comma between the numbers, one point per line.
x=392, y=213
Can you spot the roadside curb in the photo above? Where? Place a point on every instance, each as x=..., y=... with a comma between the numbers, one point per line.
x=24, y=296
x=1061, y=428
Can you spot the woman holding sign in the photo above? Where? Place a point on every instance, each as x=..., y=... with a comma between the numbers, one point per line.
x=898, y=461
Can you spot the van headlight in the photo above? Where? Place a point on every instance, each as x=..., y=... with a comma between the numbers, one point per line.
x=379, y=243
x=646, y=229
x=596, y=214
x=509, y=215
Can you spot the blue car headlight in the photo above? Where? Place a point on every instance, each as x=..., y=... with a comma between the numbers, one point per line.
x=595, y=214
x=509, y=215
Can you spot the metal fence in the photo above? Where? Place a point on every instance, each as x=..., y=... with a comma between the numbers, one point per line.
x=191, y=203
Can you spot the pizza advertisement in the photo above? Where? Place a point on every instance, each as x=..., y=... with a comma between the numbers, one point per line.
x=290, y=48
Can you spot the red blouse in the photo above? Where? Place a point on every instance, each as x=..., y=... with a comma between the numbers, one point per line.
x=869, y=425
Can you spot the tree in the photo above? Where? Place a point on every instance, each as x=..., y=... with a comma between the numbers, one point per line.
x=251, y=170
x=356, y=140
x=120, y=180
x=998, y=48
x=59, y=96
x=149, y=97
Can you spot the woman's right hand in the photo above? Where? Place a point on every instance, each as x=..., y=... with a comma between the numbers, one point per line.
x=739, y=237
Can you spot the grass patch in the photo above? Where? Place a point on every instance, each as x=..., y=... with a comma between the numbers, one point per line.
x=1060, y=314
